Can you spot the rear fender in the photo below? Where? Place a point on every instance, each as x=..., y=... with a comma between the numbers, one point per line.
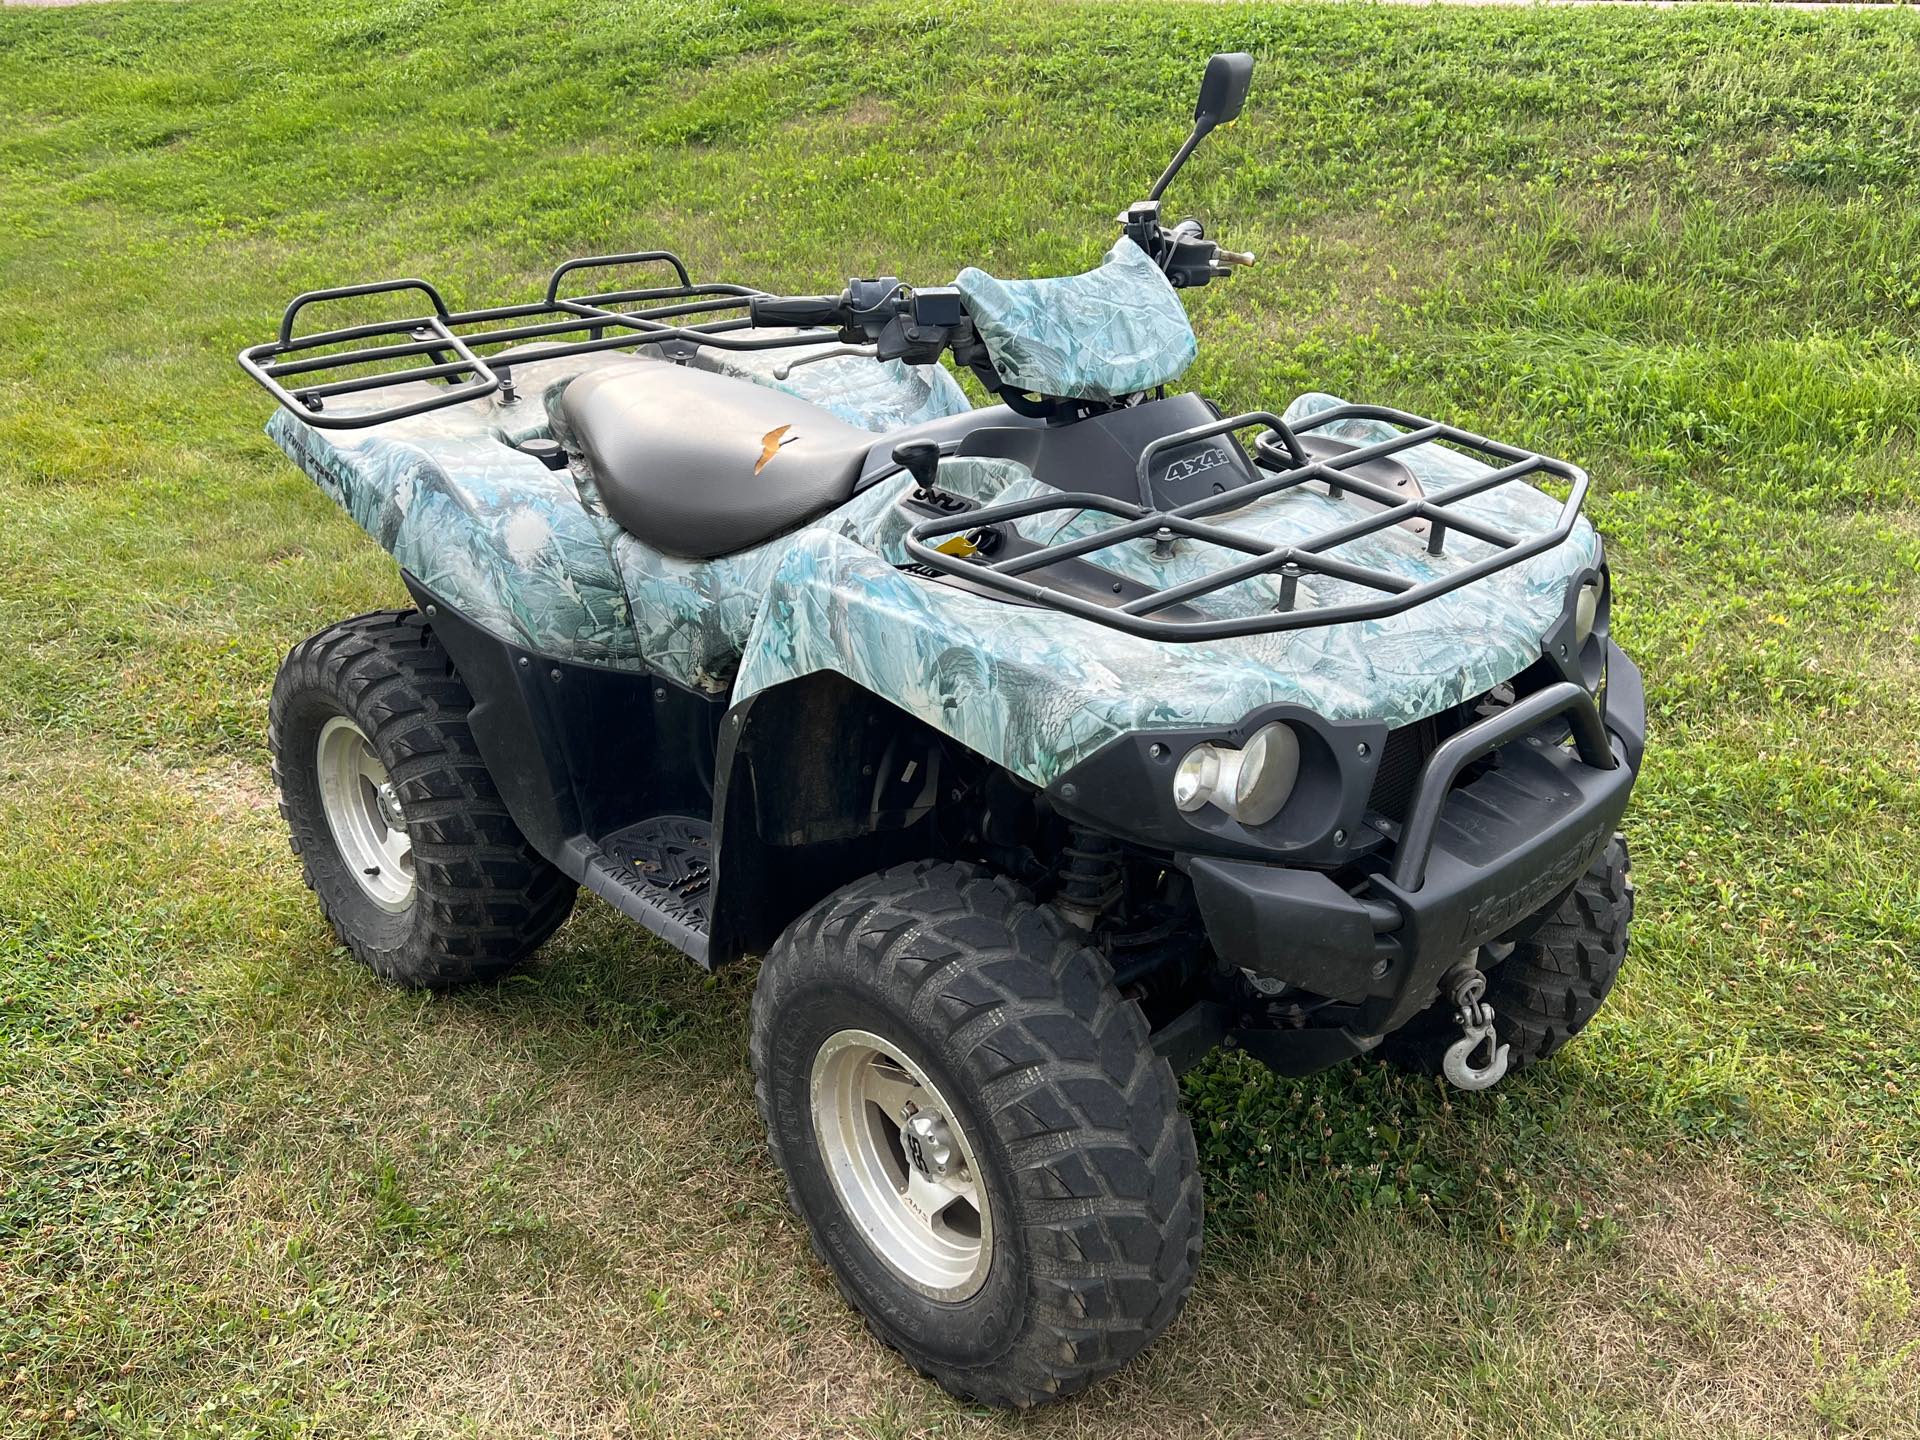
x=486, y=528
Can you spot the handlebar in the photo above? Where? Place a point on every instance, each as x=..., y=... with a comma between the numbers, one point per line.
x=898, y=321
x=901, y=322
x=800, y=311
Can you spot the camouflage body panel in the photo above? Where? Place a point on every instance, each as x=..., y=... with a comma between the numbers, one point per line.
x=492, y=531
x=524, y=551
x=530, y=554
x=1039, y=691
x=1111, y=332
x=692, y=618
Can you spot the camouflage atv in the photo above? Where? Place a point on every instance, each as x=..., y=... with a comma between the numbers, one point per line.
x=1039, y=748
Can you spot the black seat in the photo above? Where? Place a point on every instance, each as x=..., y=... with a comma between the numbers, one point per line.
x=701, y=465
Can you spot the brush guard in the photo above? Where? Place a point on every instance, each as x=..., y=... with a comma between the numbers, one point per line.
x=1279, y=453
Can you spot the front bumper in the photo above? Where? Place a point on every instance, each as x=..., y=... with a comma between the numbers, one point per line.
x=1474, y=862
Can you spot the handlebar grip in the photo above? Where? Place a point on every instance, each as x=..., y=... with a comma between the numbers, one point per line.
x=798, y=310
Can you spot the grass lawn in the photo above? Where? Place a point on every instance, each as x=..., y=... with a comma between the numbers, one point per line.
x=246, y=1190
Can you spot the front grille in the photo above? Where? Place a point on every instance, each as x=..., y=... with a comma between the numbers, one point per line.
x=1405, y=753
x=1408, y=748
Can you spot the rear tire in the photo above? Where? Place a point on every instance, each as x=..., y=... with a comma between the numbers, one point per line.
x=1041, y=1098
x=1554, y=982
x=400, y=832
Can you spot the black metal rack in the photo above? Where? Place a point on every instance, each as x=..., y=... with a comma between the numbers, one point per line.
x=451, y=354
x=1279, y=452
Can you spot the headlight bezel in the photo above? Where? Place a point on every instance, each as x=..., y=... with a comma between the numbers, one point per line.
x=1577, y=651
x=1126, y=788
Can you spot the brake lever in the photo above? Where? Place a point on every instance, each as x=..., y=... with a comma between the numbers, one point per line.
x=838, y=352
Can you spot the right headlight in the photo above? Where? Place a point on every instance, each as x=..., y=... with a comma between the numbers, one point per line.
x=1250, y=784
x=1590, y=659
x=1586, y=611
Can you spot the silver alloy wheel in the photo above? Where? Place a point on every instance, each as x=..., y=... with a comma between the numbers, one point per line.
x=903, y=1168
x=364, y=814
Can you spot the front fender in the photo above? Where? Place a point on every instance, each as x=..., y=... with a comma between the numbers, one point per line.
x=1037, y=691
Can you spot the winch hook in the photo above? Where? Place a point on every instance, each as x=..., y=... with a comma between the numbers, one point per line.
x=1465, y=986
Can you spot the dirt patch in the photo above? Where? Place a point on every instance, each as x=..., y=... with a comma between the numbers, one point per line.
x=229, y=790
x=868, y=112
x=1739, y=1322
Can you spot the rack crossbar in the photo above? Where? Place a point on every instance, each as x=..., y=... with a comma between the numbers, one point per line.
x=1278, y=452
x=511, y=335
x=437, y=337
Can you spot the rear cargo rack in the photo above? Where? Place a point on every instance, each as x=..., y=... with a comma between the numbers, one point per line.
x=1279, y=453
x=319, y=361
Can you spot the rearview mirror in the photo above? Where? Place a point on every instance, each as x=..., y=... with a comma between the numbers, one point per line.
x=1223, y=90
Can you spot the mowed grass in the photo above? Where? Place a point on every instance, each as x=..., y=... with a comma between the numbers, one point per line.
x=246, y=1190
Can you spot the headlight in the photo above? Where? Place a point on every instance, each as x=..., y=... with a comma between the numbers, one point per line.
x=1590, y=661
x=1197, y=780
x=1586, y=612
x=1249, y=784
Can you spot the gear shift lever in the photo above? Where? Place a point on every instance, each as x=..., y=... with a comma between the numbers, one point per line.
x=920, y=459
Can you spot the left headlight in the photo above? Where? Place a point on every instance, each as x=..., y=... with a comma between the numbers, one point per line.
x=1250, y=784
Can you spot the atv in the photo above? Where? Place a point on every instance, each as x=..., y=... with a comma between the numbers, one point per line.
x=1039, y=747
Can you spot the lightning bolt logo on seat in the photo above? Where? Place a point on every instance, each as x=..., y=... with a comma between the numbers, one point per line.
x=770, y=444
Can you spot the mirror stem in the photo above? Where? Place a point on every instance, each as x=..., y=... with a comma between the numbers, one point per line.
x=1192, y=142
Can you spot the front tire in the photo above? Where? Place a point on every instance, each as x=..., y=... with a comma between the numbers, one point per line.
x=399, y=829
x=928, y=1041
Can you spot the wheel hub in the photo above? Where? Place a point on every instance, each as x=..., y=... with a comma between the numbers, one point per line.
x=364, y=813
x=901, y=1165
x=928, y=1144
x=390, y=810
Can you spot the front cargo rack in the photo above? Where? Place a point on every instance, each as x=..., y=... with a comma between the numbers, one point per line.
x=1284, y=459
x=305, y=372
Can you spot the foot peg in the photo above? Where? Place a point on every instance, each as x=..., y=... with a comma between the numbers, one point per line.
x=1465, y=985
